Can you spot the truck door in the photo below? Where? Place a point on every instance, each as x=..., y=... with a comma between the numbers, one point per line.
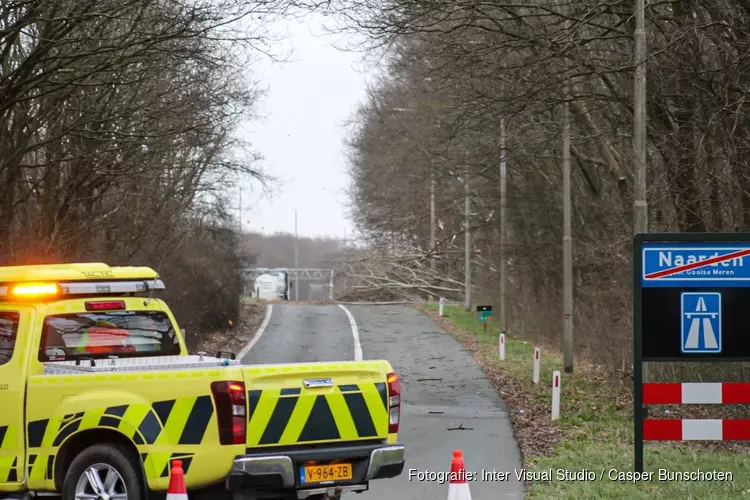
x=15, y=332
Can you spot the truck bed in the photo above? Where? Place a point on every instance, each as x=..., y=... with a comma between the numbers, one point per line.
x=143, y=364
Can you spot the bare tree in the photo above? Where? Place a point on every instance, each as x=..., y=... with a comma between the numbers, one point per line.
x=465, y=65
x=117, y=138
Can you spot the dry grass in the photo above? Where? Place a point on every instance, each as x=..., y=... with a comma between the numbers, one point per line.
x=234, y=337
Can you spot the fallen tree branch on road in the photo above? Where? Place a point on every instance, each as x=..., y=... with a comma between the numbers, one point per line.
x=403, y=276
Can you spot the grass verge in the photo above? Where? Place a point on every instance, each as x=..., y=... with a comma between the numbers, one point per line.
x=594, y=434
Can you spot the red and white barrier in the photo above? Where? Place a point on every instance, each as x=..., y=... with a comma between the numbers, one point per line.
x=656, y=393
x=537, y=363
x=555, y=395
x=440, y=307
x=696, y=430
x=501, y=347
x=679, y=393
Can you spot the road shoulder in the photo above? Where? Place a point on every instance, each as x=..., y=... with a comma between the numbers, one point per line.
x=589, y=449
x=235, y=336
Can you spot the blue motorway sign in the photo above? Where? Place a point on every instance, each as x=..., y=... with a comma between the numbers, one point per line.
x=701, y=322
x=688, y=264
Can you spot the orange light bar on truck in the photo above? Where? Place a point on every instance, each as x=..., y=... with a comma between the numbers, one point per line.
x=35, y=289
x=51, y=290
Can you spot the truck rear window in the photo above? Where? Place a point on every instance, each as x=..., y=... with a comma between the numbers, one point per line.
x=103, y=334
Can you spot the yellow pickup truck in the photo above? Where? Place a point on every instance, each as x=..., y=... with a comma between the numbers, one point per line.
x=98, y=395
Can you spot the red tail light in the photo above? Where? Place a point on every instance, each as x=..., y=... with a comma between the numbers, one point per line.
x=105, y=306
x=394, y=400
x=230, y=401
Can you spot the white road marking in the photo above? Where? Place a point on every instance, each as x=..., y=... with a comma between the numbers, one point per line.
x=258, y=334
x=355, y=334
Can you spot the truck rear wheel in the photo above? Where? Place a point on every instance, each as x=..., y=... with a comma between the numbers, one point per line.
x=102, y=472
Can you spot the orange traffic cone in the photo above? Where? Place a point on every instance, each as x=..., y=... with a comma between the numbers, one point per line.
x=459, y=486
x=177, y=490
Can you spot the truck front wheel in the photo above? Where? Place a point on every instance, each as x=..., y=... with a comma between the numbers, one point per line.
x=102, y=472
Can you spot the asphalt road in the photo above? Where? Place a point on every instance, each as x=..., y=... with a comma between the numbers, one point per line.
x=443, y=389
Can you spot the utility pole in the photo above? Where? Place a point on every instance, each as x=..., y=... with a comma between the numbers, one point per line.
x=433, y=182
x=567, y=241
x=240, y=210
x=640, y=205
x=432, y=216
x=296, y=263
x=467, y=244
x=503, y=234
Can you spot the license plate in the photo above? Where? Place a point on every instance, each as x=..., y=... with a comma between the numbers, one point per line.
x=325, y=473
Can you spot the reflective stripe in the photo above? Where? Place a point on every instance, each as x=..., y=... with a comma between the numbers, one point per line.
x=696, y=430
x=656, y=393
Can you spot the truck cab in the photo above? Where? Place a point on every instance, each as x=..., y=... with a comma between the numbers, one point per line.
x=99, y=395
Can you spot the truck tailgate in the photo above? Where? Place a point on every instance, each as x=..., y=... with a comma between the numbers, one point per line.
x=302, y=404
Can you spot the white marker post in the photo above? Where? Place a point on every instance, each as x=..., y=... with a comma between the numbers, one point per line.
x=555, y=395
x=536, y=365
x=442, y=302
x=502, y=347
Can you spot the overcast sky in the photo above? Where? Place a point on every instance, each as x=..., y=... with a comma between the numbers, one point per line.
x=301, y=135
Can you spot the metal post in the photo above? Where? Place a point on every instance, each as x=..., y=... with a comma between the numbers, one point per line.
x=432, y=217
x=503, y=233
x=296, y=263
x=330, y=287
x=555, y=395
x=640, y=205
x=240, y=210
x=467, y=244
x=567, y=243
x=639, y=412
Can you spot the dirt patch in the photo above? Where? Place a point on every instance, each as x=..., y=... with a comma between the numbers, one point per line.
x=535, y=436
x=236, y=336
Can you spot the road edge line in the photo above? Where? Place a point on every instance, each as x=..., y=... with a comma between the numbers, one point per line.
x=355, y=334
x=258, y=333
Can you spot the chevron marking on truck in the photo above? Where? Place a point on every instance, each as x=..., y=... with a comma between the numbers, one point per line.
x=8, y=469
x=285, y=417
x=8, y=454
x=40, y=467
x=275, y=417
x=176, y=422
x=187, y=459
x=37, y=466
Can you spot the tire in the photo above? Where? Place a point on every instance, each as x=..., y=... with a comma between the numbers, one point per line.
x=104, y=458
